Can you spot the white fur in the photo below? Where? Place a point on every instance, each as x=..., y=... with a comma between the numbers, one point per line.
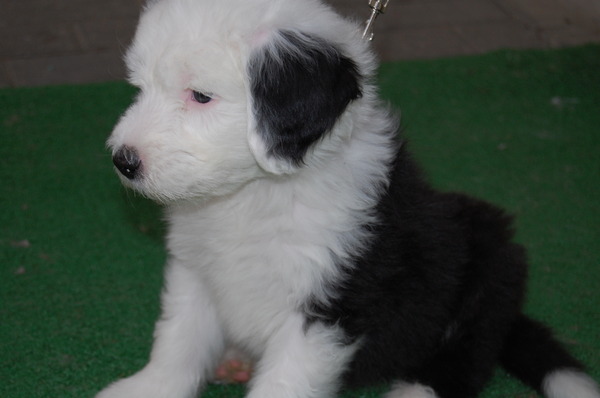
x=567, y=383
x=406, y=390
x=251, y=239
x=187, y=342
x=301, y=364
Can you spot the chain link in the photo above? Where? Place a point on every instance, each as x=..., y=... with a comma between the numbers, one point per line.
x=377, y=7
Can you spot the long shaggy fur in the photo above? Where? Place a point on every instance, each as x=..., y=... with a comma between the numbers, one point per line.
x=300, y=229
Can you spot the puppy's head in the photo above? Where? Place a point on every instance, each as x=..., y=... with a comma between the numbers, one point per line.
x=235, y=90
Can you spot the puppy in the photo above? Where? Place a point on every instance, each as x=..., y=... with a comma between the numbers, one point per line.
x=300, y=229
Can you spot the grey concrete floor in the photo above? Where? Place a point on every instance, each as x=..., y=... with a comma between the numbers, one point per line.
x=80, y=41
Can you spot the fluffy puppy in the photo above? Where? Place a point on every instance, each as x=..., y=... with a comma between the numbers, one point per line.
x=301, y=230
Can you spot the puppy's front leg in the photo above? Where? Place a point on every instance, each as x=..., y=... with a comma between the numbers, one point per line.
x=187, y=343
x=302, y=361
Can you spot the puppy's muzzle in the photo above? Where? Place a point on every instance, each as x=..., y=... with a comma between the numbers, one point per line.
x=128, y=162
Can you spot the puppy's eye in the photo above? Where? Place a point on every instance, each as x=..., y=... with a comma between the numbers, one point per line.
x=201, y=97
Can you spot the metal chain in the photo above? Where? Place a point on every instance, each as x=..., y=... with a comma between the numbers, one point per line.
x=377, y=7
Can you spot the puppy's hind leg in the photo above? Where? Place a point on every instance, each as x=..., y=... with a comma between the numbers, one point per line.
x=187, y=343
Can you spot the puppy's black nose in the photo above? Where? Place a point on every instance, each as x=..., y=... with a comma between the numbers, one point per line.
x=127, y=161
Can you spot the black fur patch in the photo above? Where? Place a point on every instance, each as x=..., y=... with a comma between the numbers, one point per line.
x=437, y=298
x=300, y=86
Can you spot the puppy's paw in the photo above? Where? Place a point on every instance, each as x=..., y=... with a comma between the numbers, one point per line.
x=235, y=367
x=146, y=385
x=125, y=388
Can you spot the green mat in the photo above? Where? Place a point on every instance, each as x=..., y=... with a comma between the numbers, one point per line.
x=81, y=258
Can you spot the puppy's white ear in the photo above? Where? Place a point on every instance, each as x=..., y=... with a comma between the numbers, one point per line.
x=299, y=86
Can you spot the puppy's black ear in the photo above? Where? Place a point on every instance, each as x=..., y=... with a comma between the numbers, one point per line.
x=299, y=86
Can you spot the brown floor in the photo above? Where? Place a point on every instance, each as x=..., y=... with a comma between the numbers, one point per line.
x=80, y=41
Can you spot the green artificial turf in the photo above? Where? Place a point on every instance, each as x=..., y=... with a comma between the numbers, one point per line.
x=81, y=258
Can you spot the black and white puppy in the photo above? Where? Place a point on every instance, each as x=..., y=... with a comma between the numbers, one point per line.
x=300, y=229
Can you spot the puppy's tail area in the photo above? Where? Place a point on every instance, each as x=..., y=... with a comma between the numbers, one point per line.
x=534, y=356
